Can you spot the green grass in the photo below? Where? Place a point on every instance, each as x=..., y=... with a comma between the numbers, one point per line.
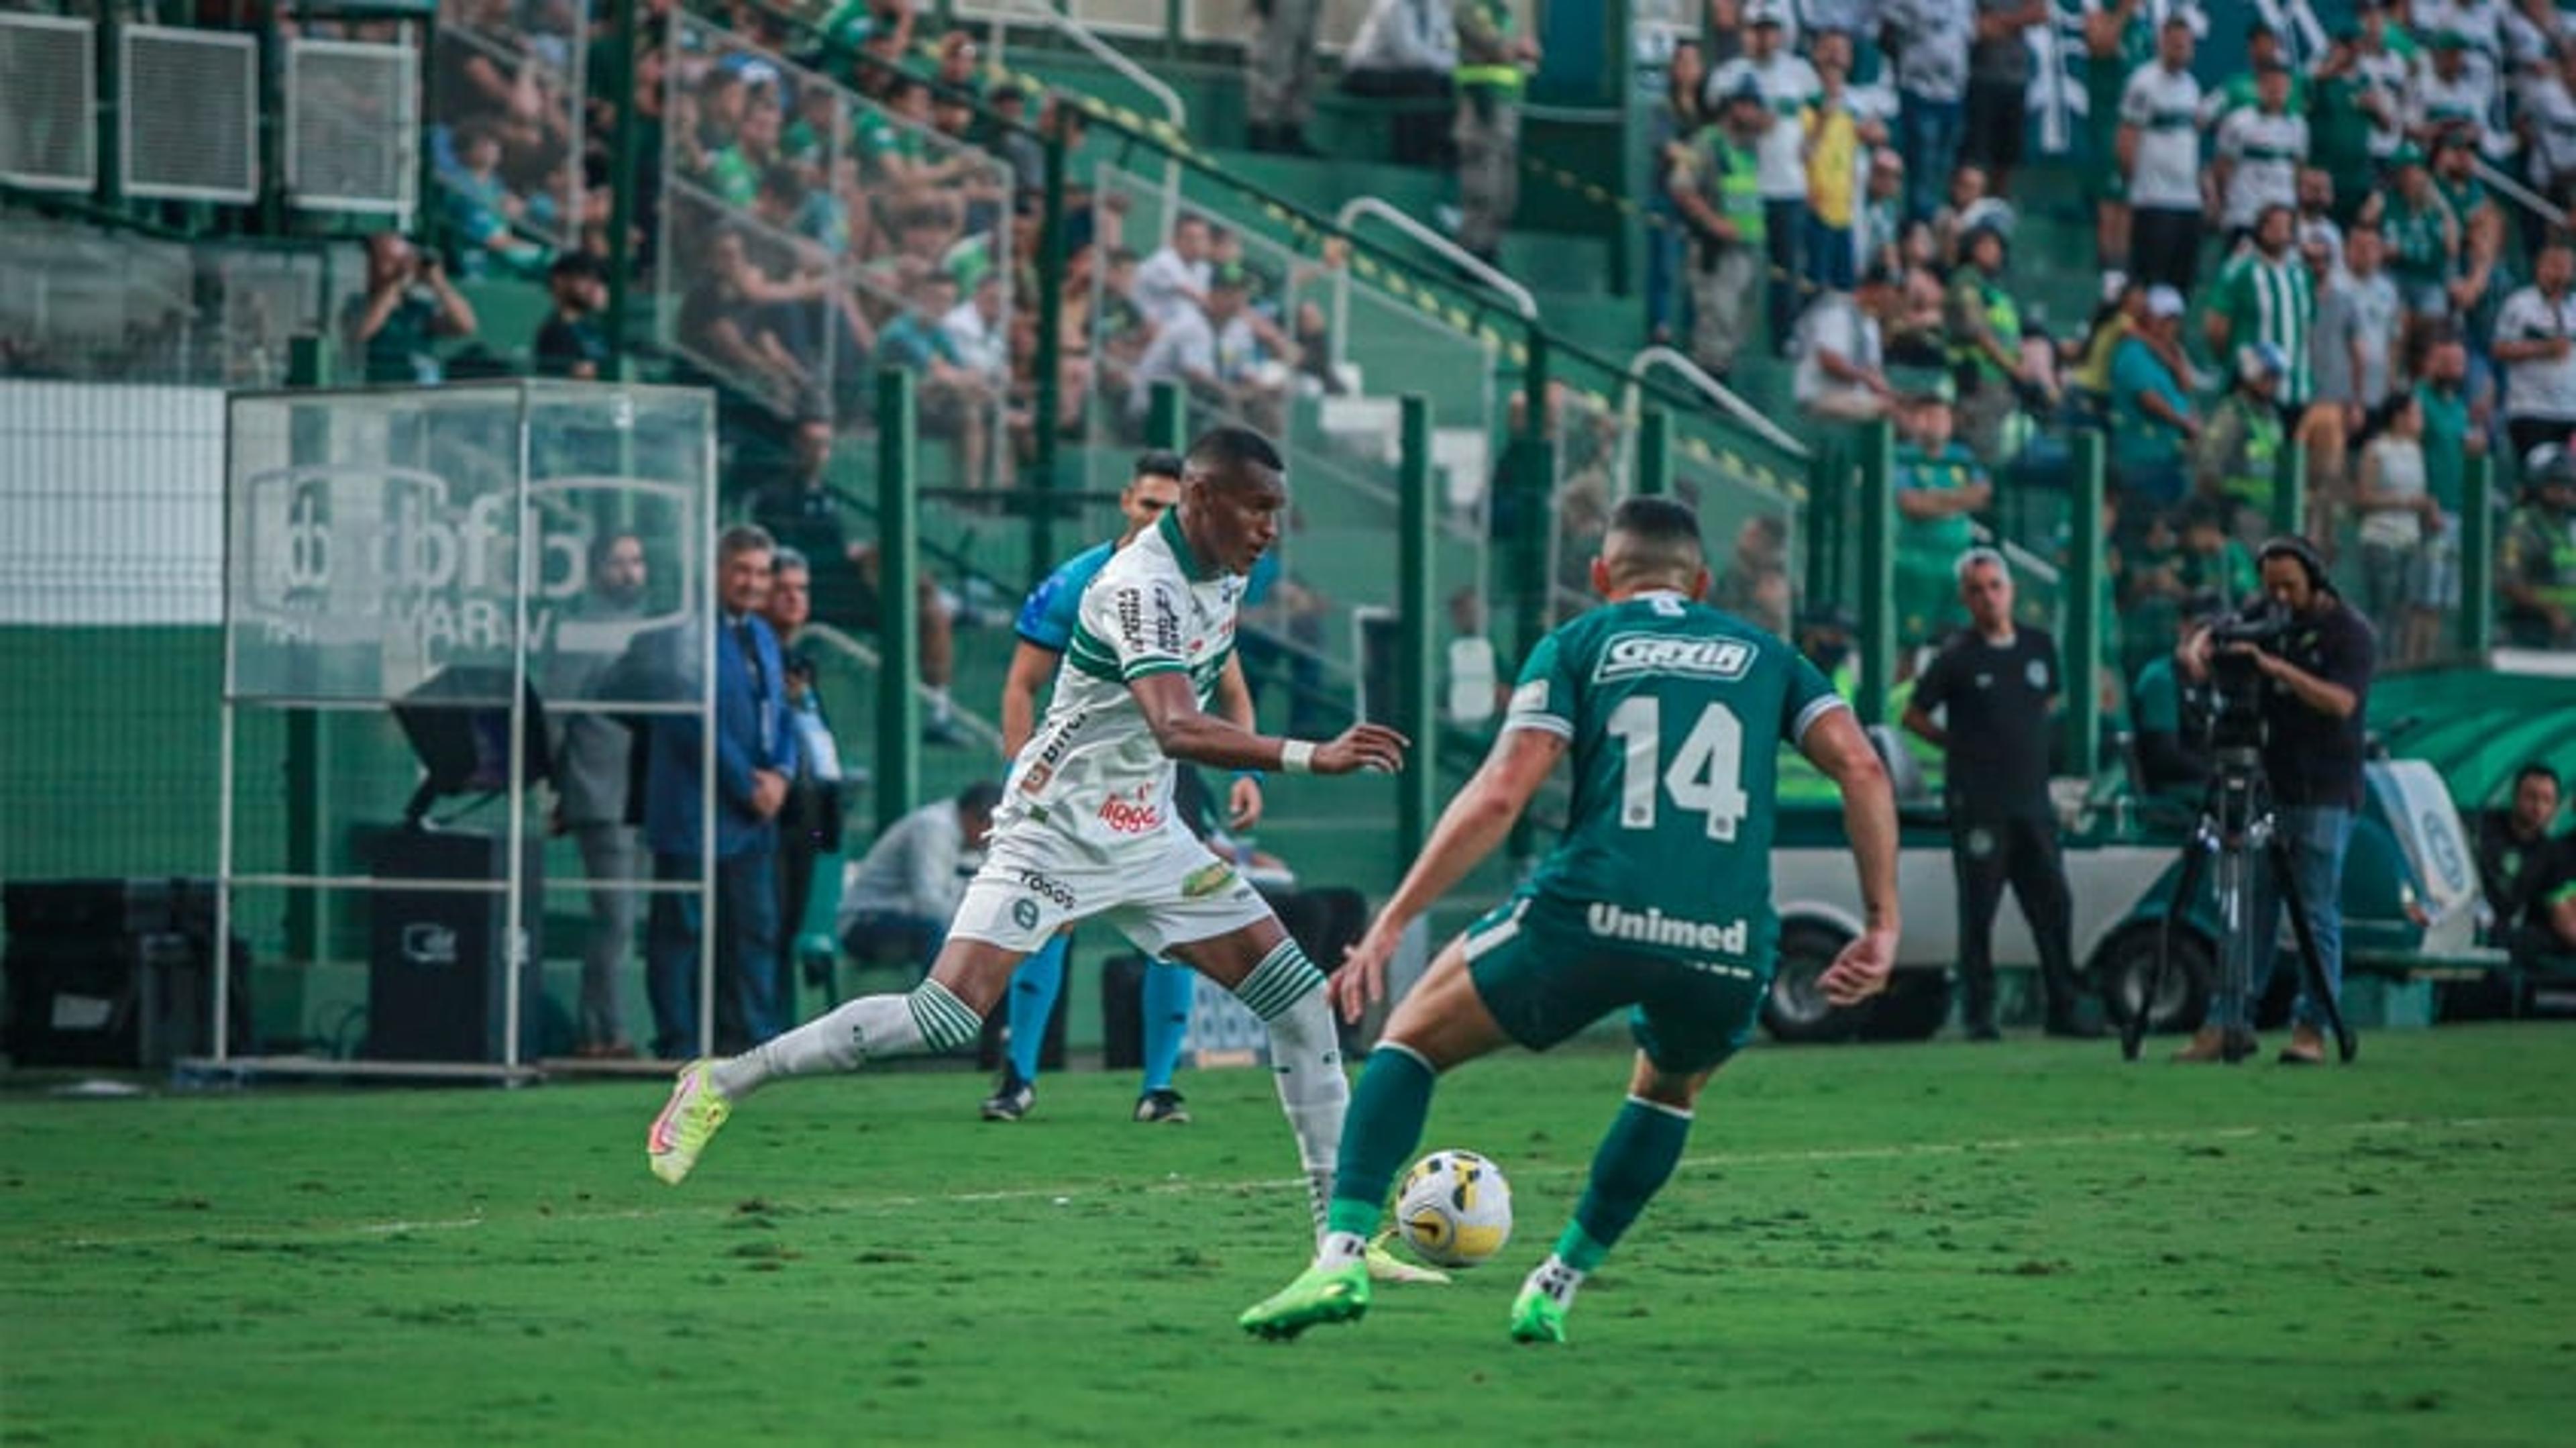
x=2030, y=1243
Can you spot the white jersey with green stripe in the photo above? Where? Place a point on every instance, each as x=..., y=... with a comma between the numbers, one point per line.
x=1092, y=769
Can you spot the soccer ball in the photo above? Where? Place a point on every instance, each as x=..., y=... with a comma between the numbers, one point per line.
x=1454, y=1209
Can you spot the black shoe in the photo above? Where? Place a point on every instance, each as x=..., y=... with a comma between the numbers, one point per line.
x=1011, y=1100
x=2077, y=1025
x=1162, y=1108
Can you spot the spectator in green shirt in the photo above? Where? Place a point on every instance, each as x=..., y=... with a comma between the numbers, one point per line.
x=2453, y=434
x=1939, y=484
x=409, y=302
x=2151, y=418
x=2340, y=123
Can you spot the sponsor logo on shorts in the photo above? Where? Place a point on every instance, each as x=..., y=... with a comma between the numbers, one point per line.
x=1205, y=881
x=1047, y=887
x=1654, y=927
x=1024, y=913
x=1631, y=655
x=1132, y=816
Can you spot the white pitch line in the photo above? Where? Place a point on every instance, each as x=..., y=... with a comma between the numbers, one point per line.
x=1067, y=1194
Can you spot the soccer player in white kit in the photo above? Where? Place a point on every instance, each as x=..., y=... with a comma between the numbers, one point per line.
x=1087, y=827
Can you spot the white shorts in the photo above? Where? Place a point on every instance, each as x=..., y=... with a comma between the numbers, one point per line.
x=1160, y=890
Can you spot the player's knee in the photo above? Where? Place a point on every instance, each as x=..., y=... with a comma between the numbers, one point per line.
x=1672, y=1090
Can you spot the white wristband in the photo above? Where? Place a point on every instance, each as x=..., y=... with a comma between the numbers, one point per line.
x=1297, y=756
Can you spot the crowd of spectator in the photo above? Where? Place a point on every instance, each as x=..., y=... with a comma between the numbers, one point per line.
x=2329, y=257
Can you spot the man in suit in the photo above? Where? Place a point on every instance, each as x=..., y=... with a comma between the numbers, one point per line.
x=755, y=756
x=591, y=768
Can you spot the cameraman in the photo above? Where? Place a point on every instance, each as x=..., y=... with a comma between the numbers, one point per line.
x=2311, y=680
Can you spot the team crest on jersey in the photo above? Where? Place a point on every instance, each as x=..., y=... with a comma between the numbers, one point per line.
x=2036, y=672
x=1530, y=698
x=1635, y=654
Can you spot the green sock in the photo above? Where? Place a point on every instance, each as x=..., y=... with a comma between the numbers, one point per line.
x=1636, y=1158
x=1383, y=1128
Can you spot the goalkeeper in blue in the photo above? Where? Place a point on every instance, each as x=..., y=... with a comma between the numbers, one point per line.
x=1656, y=901
x=1046, y=627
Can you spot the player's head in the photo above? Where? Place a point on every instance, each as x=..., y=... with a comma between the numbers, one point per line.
x=1651, y=543
x=790, y=604
x=1234, y=492
x=2535, y=797
x=1155, y=487
x=975, y=810
x=742, y=568
x=1986, y=587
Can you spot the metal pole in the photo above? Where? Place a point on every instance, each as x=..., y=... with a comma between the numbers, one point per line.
x=713, y=616
x=898, y=572
x=1654, y=477
x=2084, y=621
x=1167, y=421
x=2290, y=491
x=514, y=906
x=2477, y=558
x=1416, y=787
x=1050, y=363
x=308, y=364
x=1877, y=571
x=621, y=184
x=1537, y=513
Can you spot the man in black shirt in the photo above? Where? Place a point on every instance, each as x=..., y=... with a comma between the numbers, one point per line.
x=2518, y=859
x=571, y=343
x=1998, y=685
x=2316, y=684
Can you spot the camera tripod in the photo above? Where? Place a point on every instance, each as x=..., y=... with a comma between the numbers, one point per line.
x=2235, y=821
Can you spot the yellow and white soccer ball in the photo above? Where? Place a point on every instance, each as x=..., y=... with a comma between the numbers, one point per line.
x=1454, y=1209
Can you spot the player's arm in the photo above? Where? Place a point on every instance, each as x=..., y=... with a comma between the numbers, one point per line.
x=1031, y=667
x=1234, y=701
x=1479, y=819
x=1835, y=744
x=1185, y=732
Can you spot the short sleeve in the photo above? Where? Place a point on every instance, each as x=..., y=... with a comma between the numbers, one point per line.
x=1932, y=686
x=1809, y=697
x=2231, y=135
x=1130, y=627
x=2136, y=109
x=1544, y=697
x=1045, y=618
x=2346, y=658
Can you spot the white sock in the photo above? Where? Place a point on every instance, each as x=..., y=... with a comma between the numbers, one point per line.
x=853, y=1033
x=1341, y=1249
x=1555, y=1279
x=1287, y=992
x=940, y=707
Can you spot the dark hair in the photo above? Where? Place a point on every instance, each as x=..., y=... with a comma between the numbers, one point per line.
x=2311, y=562
x=2536, y=770
x=1233, y=447
x=979, y=798
x=789, y=560
x=1667, y=530
x=902, y=86
x=745, y=538
x=1158, y=464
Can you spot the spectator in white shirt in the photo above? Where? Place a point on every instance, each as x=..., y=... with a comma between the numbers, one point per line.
x=2260, y=151
x=974, y=327
x=899, y=896
x=1789, y=85
x=2535, y=338
x=1842, y=363
x=2159, y=150
x=1176, y=275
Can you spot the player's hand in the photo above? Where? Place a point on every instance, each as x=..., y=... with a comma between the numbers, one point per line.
x=1243, y=803
x=1361, y=982
x=1861, y=970
x=1362, y=746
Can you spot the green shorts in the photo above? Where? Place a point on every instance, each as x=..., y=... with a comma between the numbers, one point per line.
x=1545, y=975
x=2104, y=83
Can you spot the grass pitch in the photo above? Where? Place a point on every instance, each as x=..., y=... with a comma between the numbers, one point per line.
x=2028, y=1243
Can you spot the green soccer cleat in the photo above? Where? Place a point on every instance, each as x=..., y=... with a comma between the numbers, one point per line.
x=1537, y=1317
x=1319, y=1295
x=687, y=1123
x=1385, y=1266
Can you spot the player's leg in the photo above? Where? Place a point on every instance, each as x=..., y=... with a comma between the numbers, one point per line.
x=1699, y=1018
x=1035, y=988
x=1454, y=1015
x=1977, y=864
x=997, y=926
x=1168, y=991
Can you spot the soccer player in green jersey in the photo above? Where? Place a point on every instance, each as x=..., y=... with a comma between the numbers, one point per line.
x=1658, y=899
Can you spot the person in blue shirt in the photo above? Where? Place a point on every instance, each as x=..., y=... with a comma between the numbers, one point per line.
x=1045, y=627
